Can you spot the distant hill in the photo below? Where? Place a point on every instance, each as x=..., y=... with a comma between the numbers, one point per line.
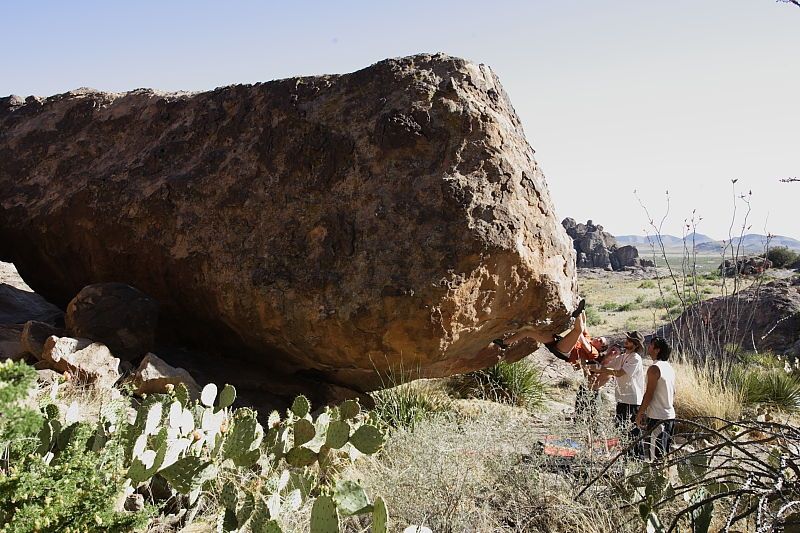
x=670, y=241
x=751, y=243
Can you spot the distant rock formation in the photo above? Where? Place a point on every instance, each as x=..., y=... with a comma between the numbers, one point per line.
x=596, y=248
x=323, y=226
x=746, y=266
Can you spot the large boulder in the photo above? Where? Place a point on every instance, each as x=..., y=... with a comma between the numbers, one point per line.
x=626, y=256
x=332, y=225
x=117, y=315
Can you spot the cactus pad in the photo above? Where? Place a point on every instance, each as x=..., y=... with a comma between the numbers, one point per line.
x=338, y=433
x=380, y=516
x=187, y=473
x=226, y=397
x=300, y=457
x=301, y=406
x=304, y=431
x=182, y=394
x=324, y=518
x=349, y=409
x=351, y=499
x=208, y=395
x=244, y=438
x=51, y=411
x=246, y=508
x=367, y=439
x=229, y=496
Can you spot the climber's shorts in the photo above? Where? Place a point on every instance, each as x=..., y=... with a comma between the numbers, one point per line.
x=554, y=350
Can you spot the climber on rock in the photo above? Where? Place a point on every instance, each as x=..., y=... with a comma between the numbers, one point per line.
x=576, y=346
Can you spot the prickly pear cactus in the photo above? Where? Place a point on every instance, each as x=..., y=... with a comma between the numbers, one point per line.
x=304, y=431
x=324, y=516
x=380, y=516
x=187, y=473
x=349, y=409
x=367, y=439
x=301, y=407
x=351, y=499
x=338, y=434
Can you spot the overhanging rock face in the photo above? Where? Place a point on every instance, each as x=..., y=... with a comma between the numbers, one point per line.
x=331, y=225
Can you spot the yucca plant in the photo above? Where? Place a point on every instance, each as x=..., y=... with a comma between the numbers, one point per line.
x=517, y=383
x=773, y=387
x=404, y=406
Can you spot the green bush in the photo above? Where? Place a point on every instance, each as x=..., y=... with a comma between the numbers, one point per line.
x=593, y=318
x=75, y=491
x=69, y=489
x=781, y=256
x=647, y=284
x=772, y=387
x=517, y=383
x=18, y=423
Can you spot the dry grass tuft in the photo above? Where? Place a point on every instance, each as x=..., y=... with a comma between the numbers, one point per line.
x=698, y=394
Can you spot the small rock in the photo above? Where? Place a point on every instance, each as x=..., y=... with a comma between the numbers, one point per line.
x=86, y=360
x=45, y=375
x=35, y=334
x=10, y=345
x=134, y=502
x=118, y=315
x=154, y=374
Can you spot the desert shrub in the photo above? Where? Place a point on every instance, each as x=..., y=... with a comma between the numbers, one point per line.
x=782, y=256
x=699, y=394
x=404, y=406
x=70, y=489
x=647, y=284
x=773, y=387
x=517, y=383
x=593, y=318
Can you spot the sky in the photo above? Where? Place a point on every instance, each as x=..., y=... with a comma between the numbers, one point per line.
x=625, y=102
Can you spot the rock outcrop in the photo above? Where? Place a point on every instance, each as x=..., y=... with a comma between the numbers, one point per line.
x=766, y=318
x=746, y=266
x=596, y=248
x=330, y=226
x=18, y=306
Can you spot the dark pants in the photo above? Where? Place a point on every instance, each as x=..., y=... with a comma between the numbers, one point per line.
x=586, y=404
x=658, y=438
x=554, y=350
x=626, y=419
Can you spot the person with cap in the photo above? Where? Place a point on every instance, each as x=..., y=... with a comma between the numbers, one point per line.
x=656, y=417
x=628, y=372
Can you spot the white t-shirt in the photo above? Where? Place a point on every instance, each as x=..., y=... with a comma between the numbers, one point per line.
x=661, y=406
x=630, y=387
